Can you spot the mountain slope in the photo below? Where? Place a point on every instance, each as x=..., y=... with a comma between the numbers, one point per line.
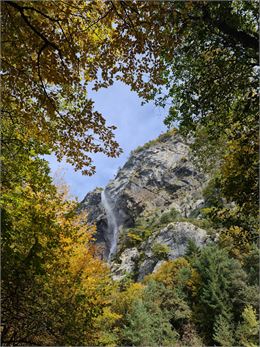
x=144, y=214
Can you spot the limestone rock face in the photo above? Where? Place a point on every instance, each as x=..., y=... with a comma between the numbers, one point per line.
x=126, y=264
x=158, y=189
x=176, y=236
x=174, y=239
x=170, y=242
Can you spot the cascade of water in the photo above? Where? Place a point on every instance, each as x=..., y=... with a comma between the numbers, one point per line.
x=111, y=223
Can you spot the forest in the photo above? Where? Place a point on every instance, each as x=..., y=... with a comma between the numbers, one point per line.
x=202, y=58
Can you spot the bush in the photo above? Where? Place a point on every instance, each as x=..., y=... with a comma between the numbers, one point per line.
x=169, y=216
x=138, y=234
x=161, y=251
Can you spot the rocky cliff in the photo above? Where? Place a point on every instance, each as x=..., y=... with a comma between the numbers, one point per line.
x=151, y=210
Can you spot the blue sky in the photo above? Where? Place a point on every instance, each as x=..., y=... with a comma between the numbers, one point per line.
x=136, y=125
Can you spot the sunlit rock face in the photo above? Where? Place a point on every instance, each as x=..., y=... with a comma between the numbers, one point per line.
x=156, y=180
x=174, y=237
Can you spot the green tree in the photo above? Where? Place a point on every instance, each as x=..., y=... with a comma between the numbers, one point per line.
x=248, y=330
x=147, y=324
x=177, y=284
x=213, y=84
x=220, y=291
x=223, y=332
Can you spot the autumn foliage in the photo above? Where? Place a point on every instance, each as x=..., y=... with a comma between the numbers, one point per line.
x=201, y=57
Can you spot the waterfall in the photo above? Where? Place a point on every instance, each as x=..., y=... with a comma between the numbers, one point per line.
x=111, y=223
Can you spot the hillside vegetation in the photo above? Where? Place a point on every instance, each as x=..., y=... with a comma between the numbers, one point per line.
x=202, y=58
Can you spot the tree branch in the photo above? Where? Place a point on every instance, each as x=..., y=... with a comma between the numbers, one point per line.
x=245, y=39
x=32, y=27
x=41, y=13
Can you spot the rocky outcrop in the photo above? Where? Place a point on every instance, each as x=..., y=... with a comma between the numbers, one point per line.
x=167, y=243
x=157, y=189
x=127, y=263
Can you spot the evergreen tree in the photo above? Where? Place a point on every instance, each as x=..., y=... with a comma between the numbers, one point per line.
x=223, y=332
x=146, y=323
x=247, y=332
x=219, y=292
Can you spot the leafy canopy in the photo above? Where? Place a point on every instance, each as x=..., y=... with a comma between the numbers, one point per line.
x=49, y=52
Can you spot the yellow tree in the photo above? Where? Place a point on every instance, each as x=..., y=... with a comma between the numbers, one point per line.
x=48, y=55
x=53, y=286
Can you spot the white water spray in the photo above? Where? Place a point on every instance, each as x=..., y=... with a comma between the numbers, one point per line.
x=111, y=223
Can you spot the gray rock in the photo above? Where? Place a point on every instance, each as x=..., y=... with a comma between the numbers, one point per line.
x=126, y=264
x=158, y=265
x=176, y=237
x=146, y=267
x=161, y=176
x=156, y=179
